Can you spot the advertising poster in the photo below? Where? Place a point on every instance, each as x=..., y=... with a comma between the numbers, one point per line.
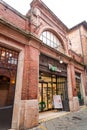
x=57, y=101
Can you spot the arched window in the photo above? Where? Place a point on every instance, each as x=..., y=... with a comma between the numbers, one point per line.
x=51, y=40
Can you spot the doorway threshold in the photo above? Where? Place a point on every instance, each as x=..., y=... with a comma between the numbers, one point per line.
x=6, y=107
x=49, y=115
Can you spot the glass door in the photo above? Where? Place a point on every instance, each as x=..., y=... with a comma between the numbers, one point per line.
x=79, y=91
x=49, y=96
x=63, y=91
x=46, y=92
x=43, y=96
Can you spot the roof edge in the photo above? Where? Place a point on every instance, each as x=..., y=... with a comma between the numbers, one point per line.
x=12, y=9
x=84, y=23
x=47, y=8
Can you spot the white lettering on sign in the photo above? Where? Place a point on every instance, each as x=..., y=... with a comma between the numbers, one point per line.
x=54, y=68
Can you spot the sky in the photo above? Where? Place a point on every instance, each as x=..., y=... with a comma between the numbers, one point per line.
x=70, y=12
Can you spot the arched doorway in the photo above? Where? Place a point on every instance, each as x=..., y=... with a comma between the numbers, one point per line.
x=5, y=109
x=8, y=70
x=79, y=88
x=4, y=90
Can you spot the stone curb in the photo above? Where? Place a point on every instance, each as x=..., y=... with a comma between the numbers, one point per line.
x=50, y=118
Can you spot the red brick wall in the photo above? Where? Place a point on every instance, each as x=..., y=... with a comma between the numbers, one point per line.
x=73, y=79
x=76, y=56
x=31, y=73
x=74, y=37
x=84, y=43
x=11, y=16
x=46, y=20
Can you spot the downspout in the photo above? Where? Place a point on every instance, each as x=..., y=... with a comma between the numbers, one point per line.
x=81, y=44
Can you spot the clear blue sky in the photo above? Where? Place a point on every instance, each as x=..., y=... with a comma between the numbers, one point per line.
x=70, y=12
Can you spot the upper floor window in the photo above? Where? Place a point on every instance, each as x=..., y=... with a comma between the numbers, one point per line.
x=51, y=40
x=8, y=58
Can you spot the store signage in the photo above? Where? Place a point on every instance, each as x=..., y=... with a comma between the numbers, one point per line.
x=57, y=101
x=54, y=68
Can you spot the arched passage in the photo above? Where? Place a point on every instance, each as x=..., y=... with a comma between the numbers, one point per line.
x=4, y=90
x=8, y=70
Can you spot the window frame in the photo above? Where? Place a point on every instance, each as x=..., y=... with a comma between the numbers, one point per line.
x=51, y=40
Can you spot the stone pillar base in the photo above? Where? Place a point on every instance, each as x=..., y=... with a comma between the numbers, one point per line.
x=85, y=100
x=11, y=129
x=71, y=105
x=76, y=106
x=29, y=114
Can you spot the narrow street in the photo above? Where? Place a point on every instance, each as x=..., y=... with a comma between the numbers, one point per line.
x=69, y=121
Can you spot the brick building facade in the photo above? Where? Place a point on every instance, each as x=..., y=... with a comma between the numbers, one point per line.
x=39, y=58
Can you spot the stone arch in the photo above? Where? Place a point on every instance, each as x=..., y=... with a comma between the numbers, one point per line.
x=8, y=78
x=5, y=73
x=56, y=33
x=4, y=90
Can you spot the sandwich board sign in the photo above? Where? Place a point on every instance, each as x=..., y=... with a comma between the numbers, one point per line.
x=57, y=101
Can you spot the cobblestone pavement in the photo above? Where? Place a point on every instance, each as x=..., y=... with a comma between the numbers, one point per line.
x=72, y=121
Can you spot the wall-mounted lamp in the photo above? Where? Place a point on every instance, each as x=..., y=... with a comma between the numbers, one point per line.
x=60, y=60
x=13, y=82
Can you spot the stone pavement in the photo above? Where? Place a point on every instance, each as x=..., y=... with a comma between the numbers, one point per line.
x=70, y=121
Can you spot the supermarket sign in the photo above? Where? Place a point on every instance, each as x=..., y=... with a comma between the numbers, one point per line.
x=54, y=68
x=57, y=101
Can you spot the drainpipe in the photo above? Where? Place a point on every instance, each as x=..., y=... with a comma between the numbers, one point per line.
x=81, y=44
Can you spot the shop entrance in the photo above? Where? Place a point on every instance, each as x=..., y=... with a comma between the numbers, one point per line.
x=4, y=88
x=79, y=89
x=8, y=70
x=50, y=85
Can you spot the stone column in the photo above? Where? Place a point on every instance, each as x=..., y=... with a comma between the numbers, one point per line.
x=73, y=79
x=74, y=91
x=70, y=92
x=18, y=89
x=73, y=99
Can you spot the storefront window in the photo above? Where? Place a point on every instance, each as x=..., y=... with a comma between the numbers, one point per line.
x=50, y=85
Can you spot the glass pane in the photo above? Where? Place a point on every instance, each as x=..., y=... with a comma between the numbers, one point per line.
x=48, y=42
x=58, y=43
x=51, y=37
x=45, y=95
x=55, y=39
x=44, y=34
x=44, y=40
x=49, y=96
x=52, y=44
x=8, y=57
x=54, y=88
x=55, y=46
x=48, y=35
